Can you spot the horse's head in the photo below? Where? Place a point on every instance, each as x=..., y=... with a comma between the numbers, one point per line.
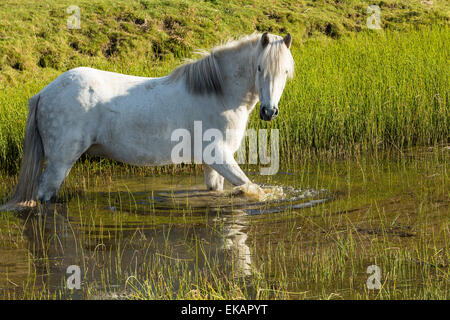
x=274, y=65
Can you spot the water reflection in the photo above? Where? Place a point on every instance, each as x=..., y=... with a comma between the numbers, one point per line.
x=114, y=236
x=234, y=241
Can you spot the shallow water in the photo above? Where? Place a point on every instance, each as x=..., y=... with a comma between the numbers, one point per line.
x=131, y=235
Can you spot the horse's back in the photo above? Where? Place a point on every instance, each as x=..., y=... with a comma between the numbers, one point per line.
x=74, y=107
x=83, y=95
x=84, y=80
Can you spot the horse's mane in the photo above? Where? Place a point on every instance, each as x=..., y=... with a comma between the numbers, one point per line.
x=203, y=76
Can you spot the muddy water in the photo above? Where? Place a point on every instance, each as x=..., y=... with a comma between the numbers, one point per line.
x=126, y=231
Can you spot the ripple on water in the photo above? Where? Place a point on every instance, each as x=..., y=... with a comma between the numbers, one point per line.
x=250, y=199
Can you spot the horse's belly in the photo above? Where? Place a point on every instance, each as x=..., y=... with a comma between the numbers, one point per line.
x=132, y=154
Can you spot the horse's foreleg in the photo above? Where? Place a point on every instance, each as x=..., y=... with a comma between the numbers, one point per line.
x=214, y=181
x=230, y=170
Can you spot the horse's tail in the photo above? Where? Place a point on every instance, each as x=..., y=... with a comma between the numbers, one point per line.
x=32, y=160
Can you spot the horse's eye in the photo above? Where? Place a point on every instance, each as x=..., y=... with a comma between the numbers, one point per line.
x=259, y=68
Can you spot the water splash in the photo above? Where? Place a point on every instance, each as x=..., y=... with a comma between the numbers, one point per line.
x=255, y=192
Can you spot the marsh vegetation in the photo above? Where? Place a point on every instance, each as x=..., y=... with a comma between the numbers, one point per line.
x=364, y=124
x=162, y=236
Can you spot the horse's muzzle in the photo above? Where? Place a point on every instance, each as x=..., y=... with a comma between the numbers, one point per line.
x=268, y=113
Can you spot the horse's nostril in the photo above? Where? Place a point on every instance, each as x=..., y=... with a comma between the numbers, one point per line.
x=269, y=113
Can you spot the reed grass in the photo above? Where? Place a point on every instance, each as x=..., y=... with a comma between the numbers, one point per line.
x=381, y=95
x=393, y=214
x=368, y=92
x=355, y=89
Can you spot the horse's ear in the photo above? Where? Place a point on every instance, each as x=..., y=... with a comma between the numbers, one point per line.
x=288, y=40
x=265, y=39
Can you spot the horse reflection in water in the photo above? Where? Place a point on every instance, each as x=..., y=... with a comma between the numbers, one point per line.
x=235, y=237
x=169, y=233
x=110, y=254
x=234, y=241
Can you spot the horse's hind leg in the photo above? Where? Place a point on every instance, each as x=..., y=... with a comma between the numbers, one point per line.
x=214, y=181
x=51, y=180
x=56, y=170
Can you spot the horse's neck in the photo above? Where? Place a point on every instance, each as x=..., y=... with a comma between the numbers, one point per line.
x=239, y=81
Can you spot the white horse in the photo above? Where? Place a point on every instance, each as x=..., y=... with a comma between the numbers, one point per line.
x=130, y=119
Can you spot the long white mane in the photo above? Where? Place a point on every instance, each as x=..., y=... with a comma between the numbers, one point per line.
x=204, y=76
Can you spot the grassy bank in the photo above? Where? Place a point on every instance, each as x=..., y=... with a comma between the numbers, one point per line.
x=354, y=90
x=34, y=35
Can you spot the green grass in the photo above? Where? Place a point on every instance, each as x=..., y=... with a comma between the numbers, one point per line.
x=34, y=36
x=365, y=92
x=354, y=89
x=379, y=93
x=368, y=92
